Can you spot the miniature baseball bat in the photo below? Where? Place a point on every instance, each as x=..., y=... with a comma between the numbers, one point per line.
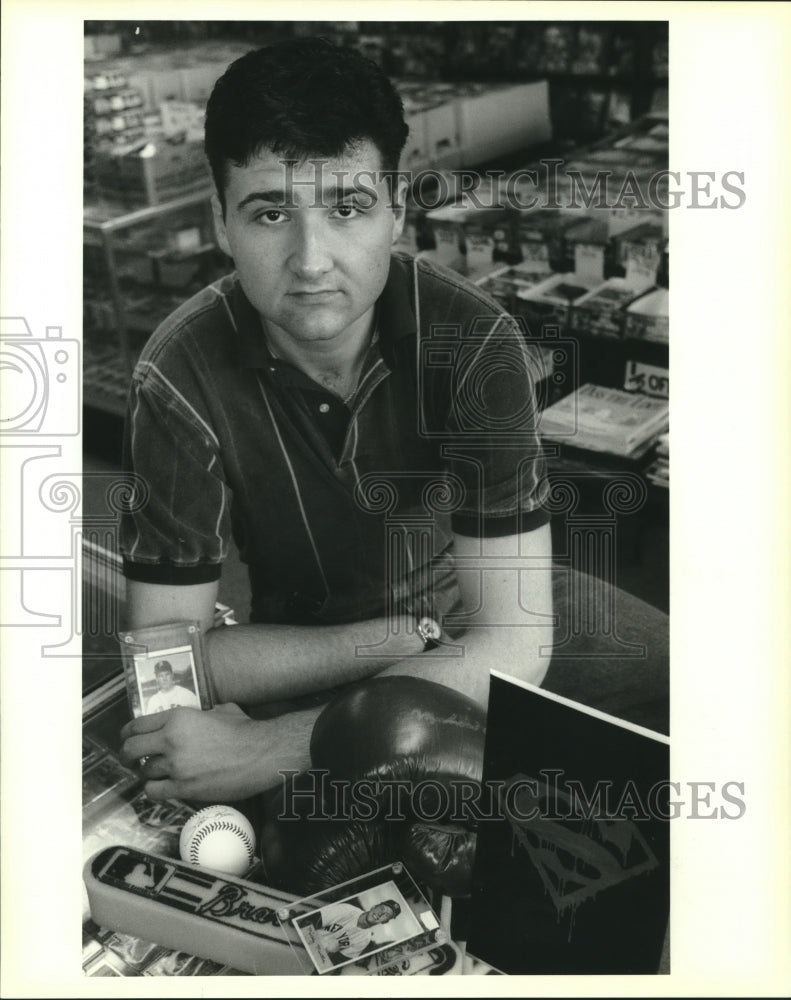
x=186, y=908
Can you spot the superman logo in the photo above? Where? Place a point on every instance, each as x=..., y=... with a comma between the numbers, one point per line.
x=576, y=857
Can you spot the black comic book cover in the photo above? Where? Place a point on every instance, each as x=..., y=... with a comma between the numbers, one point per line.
x=572, y=863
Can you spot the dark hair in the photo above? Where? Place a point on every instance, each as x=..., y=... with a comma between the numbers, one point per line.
x=163, y=667
x=301, y=98
x=395, y=909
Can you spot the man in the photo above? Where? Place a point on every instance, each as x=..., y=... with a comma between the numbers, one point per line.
x=346, y=930
x=362, y=424
x=170, y=694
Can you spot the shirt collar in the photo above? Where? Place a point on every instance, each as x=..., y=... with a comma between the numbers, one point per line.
x=395, y=318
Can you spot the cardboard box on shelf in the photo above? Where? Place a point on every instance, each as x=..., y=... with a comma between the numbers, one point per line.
x=197, y=82
x=588, y=186
x=648, y=317
x=505, y=283
x=409, y=241
x=416, y=150
x=645, y=143
x=442, y=139
x=548, y=302
x=102, y=46
x=602, y=310
x=644, y=241
x=166, y=85
x=152, y=174
x=618, y=156
x=587, y=233
x=539, y=235
x=106, y=78
x=182, y=118
x=107, y=102
x=447, y=227
x=141, y=81
x=506, y=245
x=622, y=219
x=502, y=120
x=480, y=240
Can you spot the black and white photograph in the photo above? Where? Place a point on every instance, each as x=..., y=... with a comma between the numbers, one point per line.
x=342, y=349
x=385, y=312
x=350, y=929
x=166, y=679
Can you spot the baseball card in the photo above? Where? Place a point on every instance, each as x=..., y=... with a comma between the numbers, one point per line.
x=340, y=933
x=164, y=668
x=91, y=948
x=91, y=751
x=410, y=958
x=108, y=964
x=133, y=951
x=100, y=780
x=180, y=963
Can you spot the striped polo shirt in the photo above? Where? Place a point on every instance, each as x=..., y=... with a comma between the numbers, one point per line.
x=341, y=510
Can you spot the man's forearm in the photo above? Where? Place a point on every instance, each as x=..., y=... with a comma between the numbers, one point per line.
x=251, y=664
x=260, y=663
x=464, y=664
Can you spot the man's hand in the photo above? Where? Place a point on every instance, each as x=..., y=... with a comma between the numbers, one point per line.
x=218, y=756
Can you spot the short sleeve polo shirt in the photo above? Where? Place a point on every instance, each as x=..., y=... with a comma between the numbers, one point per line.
x=341, y=510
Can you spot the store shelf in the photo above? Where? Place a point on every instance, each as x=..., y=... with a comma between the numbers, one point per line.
x=137, y=269
x=105, y=217
x=105, y=380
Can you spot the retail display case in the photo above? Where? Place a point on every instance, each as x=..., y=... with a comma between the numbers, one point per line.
x=138, y=267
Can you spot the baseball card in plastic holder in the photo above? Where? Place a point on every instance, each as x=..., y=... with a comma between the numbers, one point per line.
x=360, y=919
x=165, y=667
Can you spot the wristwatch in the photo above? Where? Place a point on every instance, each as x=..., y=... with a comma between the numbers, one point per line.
x=430, y=632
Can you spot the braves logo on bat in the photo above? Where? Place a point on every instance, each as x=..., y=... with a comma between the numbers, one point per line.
x=229, y=921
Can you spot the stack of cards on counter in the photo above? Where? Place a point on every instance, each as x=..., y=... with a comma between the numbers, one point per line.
x=598, y=418
x=658, y=471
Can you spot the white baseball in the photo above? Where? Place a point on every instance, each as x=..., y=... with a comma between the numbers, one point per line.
x=220, y=838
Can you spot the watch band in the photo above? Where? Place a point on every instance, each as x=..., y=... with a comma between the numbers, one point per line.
x=430, y=632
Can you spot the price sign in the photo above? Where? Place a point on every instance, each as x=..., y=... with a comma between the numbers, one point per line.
x=642, y=264
x=447, y=240
x=589, y=262
x=535, y=254
x=647, y=379
x=480, y=250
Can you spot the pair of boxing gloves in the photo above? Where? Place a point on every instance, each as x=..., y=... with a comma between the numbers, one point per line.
x=396, y=768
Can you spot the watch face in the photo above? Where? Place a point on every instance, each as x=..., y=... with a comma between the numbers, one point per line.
x=430, y=628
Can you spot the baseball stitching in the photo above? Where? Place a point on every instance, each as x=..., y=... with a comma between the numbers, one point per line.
x=205, y=829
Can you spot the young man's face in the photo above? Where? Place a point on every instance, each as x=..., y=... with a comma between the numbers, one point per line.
x=311, y=243
x=380, y=914
x=165, y=680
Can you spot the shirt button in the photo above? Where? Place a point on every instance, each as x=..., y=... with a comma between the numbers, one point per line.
x=324, y=408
